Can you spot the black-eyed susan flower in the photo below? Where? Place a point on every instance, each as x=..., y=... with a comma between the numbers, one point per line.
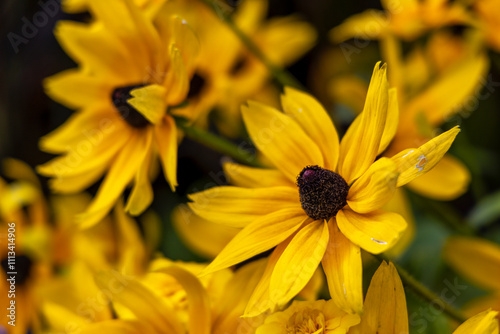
x=320, y=316
x=132, y=67
x=227, y=73
x=478, y=260
x=321, y=201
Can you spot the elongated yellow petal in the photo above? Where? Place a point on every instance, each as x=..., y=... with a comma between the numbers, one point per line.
x=199, y=302
x=76, y=89
x=257, y=237
x=360, y=145
x=140, y=301
x=261, y=299
x=90, y=125
x=236, y=207
x=280, y=139
x=98, y=51
x=298, y=262
x=166, y=140
x=476, y=259
x=150, y=102
x=392, y=121
x=202, y=236
x=250, y=177
x=184, y=38
x=374, y=188
x=343, y=269
x=414, y=162
x=360, y=25
x=177, y=80
x=483, y=323
x=316, y=123
x=385, y=303
x=375, y=232
x=119, y=175
x=459, y=85
x=142, y=192
x=446, y=181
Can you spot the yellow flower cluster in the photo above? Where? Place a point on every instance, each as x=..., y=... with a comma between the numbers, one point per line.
x=311, y=196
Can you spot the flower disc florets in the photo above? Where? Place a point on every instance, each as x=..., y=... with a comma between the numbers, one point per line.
x=322, y=192
x=134, y=118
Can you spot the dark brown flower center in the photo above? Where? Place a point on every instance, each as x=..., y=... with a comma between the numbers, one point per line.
x=322, y=192
x=134, y=118
x=20, y=264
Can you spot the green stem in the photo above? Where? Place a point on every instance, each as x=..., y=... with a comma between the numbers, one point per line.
x=424, y=292
x=217, y=143
x=283, y=77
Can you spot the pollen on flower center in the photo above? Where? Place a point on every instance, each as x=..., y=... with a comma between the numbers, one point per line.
x=134, y=118
x=322, y=192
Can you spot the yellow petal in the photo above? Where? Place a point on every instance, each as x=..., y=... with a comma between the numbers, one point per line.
x=298, y=262
x=236, y=207
x=166, y=141
x=369, y=24
x=184, y=38
x=458, y=85
x=202, y=236
x=293, y=35
x=316, y=123
x=374, y=188
x=176, y=81
x=198, y=299
x=88, y=125
x=258, y=237
x=343, y=269
x=483, y=323
x=385, y=303
x=477, y=259
x=140, y=301
x=448, y=180
x=76, y=89
x=375, y=232
x=261, y=300
x=280, y=139
x=360, y=145
x=119, y=175
x=149, y=101
x=414, y=162
x=142, y=192
x=250, y=177
x=400, y=204
x=98, y=51
x=392, y=121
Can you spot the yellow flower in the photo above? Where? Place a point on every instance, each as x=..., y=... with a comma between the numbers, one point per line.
x=309, y=317
x=77, y=6
x=385, y=304
x=336, y=208
x=227, y=73
x=404, y=19
x=483, y=323
x=478, y=260
x=489, y=22
x=131, y=70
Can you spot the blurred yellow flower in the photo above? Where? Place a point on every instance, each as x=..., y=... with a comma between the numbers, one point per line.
x=341, y=190
x=122, y=123
x=309, y=317
x=478, y=260
x=227, y=73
